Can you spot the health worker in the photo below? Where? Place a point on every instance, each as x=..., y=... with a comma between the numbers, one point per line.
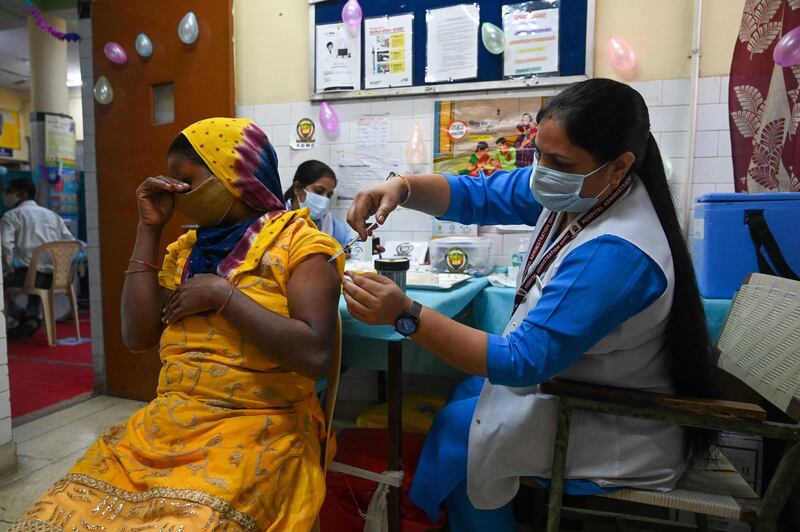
x=313, y=187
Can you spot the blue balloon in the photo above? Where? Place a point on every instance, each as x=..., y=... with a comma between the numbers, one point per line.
x=143, y=45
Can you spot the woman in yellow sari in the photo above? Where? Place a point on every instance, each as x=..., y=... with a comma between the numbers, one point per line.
x=245, y=309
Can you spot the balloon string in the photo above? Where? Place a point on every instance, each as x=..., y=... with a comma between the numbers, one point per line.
x=47, y=28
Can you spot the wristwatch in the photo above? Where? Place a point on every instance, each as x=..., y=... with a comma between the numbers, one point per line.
x=408, y=322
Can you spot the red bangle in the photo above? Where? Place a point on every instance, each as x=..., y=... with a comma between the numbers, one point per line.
x=126, y=272
x=144, y=263
x=225, y=303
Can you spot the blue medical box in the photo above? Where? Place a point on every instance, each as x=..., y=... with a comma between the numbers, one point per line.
x=722, y=246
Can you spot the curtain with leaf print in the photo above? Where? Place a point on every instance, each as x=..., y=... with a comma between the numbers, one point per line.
x=764, y=101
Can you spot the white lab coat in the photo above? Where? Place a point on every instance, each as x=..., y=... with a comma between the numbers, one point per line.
x=513, y=429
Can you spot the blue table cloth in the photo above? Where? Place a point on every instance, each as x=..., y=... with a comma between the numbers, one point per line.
x=364, y=346
x=492, y=309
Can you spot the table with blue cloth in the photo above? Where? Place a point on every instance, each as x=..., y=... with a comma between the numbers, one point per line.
x=365, y=346
x=492, y=309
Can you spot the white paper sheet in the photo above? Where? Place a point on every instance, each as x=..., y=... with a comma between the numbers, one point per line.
x=357, y=171
x=388, y=53
x=532, y=37
x=372, y=131
x=452, y=50
x=338, y=58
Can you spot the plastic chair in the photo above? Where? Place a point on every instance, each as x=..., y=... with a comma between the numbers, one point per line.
x=759, y=347
x=61, y=255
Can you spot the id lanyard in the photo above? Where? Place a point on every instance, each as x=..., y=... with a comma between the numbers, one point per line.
x=529, y=276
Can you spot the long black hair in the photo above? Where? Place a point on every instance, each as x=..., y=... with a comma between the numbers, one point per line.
x=608, y=118
x=307, y=173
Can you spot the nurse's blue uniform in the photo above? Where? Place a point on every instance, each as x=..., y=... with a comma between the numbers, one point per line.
x=599, y=285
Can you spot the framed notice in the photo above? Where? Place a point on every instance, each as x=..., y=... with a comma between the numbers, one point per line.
x=532, y=34
x=388, y=51
x=452, y=45
x=9, y=130
x=338, y=58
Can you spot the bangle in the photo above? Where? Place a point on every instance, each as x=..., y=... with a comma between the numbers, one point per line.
x=225, y=303
x=408, y=187
x=144, y=263
x=126, y=272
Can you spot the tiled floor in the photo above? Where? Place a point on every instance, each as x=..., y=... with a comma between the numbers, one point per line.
x=49, y=446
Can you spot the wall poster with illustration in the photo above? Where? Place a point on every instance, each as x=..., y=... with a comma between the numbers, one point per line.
x=484, y=136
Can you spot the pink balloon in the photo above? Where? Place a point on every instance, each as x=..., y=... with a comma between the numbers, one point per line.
x=415, y=147
x=328, y=118
x=787, y=51
x=621, y=54
x=351, y=14
x=115, y=53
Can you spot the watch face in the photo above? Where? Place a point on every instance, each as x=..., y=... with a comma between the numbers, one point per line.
x=406, y=326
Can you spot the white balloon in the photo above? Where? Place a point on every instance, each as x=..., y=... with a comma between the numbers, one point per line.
x=103, y=92
x=143, y=45
x=188, y=29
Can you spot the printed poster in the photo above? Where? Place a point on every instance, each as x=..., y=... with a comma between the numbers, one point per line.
x=531, y=30
x=338, y=58
x=387, y=58
x=59, y=139
x=452, y=44
x=9, y=130
x=483, y=136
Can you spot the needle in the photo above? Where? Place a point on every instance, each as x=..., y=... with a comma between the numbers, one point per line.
x=353, y=241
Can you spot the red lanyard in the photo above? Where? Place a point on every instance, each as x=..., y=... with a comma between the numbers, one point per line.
x=529, y=277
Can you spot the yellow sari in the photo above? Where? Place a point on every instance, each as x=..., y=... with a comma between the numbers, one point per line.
x=231, y=442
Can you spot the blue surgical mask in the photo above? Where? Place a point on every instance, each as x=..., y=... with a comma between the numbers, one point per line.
x=317, y=205
x=561, y=191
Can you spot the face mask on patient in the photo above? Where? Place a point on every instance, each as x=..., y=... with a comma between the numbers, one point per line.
x=207, y=205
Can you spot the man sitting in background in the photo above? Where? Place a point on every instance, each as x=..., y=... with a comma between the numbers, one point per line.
x=25, y=227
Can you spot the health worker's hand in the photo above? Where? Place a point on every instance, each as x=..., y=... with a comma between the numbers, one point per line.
x=374, y=299
x=379, y=200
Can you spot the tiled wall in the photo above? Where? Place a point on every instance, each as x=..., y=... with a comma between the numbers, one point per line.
x=90, y=176
x=668, y=101
x=5, y=398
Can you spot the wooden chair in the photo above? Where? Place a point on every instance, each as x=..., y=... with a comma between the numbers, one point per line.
x=760, y=346
x=331, y=391
x=61, y=255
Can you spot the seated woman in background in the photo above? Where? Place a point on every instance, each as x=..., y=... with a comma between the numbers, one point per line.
x=313, y=187
x=245, y=308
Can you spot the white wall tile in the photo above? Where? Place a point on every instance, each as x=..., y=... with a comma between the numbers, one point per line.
x=713, y=170
x=391, y=236
x=421, y=236
x=726, y=187
x=280, y=134
x=5, y=404
x=674, y=143
x=675, y=92
x=650, y=90
x=399, y=107
x=245, y=111
x=670, y=118
x=705, y=143
x=272, y=115
x=320, y=152
x=724, y=143
x=708, y=90
x=712, y=117
x=284, y=154
x=724, y=87
x=342, y=136
x=5, y=430
x=423, y=106
x=702, y=189
x=411, y=220
x=300, y=110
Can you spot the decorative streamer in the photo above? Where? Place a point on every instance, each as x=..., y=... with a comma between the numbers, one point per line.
x=47, y=28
